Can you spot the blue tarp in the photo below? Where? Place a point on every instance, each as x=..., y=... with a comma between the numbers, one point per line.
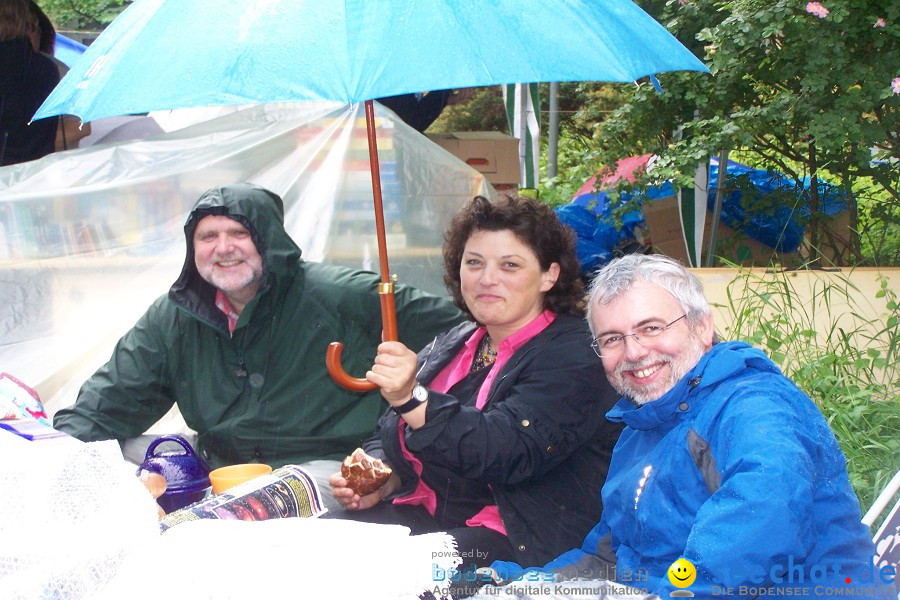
x=779, y=226
x=68, y=50
x=590, y=216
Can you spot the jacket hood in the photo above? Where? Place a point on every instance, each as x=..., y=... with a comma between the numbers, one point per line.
x=719, y=364
x=262, y=213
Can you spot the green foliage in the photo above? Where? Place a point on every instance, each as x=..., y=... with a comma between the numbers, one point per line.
x=583, y=107
x=807, y=96
x=879, y=223
x=82, y=15
x=847, y=363
x=483, y=111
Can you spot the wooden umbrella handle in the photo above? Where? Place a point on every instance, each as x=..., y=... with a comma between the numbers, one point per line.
x=389, y=334
x=340, y=376
x=385, y=288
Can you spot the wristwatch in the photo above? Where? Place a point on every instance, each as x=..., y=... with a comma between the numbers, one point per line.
x=419, y=397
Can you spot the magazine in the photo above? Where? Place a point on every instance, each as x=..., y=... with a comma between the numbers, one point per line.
x=288, y=491
x=30, y=429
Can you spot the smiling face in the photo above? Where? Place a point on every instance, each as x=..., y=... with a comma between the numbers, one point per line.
x=682, y=573
x=645, y=370
x=227, y=258
x=502, y=282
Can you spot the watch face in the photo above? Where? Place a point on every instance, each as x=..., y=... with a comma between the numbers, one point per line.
x=420, y=393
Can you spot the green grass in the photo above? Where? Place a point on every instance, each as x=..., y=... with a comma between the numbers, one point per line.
x=845, y=361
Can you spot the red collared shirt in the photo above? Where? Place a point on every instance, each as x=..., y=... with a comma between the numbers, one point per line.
x=224, y=305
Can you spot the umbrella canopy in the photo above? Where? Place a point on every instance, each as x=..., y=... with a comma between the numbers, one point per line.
x=161, y=54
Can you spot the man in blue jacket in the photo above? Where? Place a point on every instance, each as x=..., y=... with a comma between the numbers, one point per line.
x=724, y=462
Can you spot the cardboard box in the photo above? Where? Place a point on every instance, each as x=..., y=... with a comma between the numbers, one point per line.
x=664, y=227
x=492, y=153
x=742, y=250
x=666, y=237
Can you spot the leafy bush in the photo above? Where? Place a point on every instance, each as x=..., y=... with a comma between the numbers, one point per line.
x=846, y=362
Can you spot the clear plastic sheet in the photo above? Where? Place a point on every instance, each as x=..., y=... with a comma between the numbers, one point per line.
x=90, y=237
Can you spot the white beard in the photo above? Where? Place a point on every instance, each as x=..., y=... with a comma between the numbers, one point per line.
x=678, y=368
x=233, y=282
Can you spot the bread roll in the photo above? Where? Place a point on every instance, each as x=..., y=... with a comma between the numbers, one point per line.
x=363, y=473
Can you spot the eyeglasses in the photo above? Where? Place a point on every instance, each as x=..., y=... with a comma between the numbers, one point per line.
x=611, y=343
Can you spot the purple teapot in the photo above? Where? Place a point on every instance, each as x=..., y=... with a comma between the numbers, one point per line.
x=187, y=475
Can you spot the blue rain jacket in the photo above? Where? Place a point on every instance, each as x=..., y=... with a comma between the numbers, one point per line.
x=736, y=470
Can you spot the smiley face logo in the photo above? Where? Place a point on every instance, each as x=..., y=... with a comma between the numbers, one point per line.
x=682, y=573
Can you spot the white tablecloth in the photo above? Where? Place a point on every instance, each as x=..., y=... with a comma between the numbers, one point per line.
x=75, y=522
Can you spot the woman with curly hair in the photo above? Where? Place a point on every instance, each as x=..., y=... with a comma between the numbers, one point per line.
x=496, y=432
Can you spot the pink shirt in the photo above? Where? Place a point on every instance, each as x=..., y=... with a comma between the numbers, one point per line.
x=224, y=305
x=454, y=372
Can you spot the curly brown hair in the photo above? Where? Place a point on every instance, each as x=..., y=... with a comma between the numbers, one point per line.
x=535, y=225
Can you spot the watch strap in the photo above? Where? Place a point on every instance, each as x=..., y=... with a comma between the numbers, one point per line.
x=411, y=404
x=419, y=397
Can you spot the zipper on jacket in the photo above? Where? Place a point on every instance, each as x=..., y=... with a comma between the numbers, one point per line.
x=425, y=358
x=242, y=368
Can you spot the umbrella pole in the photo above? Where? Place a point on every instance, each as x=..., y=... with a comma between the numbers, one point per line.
x=385, y=288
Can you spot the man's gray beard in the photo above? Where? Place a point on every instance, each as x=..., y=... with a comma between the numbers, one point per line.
x=230, y=287
x=678, y=368
x=225, y=283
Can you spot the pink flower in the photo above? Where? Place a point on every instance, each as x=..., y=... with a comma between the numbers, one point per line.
x=880, y=22
x=815, y=8
x=895, y=85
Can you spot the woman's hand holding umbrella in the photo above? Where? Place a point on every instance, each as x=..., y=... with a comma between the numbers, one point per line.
x=394, y=372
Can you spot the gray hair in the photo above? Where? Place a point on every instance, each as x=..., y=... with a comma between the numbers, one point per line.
x=620, y=274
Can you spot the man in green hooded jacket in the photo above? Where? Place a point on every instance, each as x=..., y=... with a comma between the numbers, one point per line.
x=239, y=345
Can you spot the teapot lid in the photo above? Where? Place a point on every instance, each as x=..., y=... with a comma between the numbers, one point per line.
x=182, y=469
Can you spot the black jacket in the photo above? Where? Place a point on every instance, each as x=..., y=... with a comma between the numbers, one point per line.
x=541, y=442
x=26, y=79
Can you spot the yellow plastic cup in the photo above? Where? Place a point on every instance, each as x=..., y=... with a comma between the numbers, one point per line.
x=225, y=478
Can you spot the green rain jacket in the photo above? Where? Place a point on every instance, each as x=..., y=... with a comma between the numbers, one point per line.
x=261, y=393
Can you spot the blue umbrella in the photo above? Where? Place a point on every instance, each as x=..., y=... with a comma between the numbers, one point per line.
x=165, y=54
x=159, y=54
